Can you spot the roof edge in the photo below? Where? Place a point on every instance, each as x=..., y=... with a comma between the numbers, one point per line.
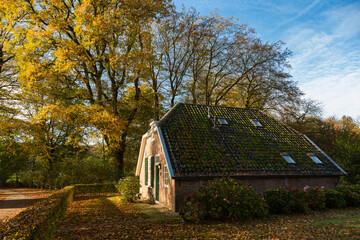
x=168, y=112
x=141, y=152
x=167, y=158
x=255, y=176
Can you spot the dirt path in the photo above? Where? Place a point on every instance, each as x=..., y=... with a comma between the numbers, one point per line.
x=15, y=200
x=13, y=203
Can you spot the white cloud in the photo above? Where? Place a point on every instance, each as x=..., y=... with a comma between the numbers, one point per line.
x=326, y=63
x=299, y=14
x=340, y=94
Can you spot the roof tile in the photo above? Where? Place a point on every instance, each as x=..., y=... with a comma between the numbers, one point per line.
x=197, y=148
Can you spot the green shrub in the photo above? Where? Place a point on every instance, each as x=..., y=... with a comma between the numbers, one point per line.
x=286, y=200
x=129, y=188
x=84, y=170
x=40, y=220
x=279, y=201
x=224, y=198
x=351, y=194
x=315, y=198
x=334, y=199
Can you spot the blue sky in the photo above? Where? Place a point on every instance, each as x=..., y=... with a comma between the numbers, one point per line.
x=324, y=36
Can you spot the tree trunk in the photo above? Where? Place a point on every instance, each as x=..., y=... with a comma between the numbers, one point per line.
x=156, y=101
x=119, y=158
x=119, y=151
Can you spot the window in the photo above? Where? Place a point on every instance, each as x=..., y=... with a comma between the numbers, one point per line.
x=157, y=160
x=151, y=172
x=166, y=176
x=256, y=123
x=223, y=121
x=146, y=171
x=287, y=158
x=314, y=158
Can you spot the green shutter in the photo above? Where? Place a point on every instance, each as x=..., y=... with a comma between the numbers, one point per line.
x=152, y=164
x=146, y=171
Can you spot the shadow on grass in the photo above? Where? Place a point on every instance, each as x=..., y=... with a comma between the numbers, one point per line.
x=18, y=203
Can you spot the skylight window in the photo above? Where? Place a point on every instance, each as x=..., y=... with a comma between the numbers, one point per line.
x=256, y=123
x=223, y=121
x=287, y=158
x=314, y=158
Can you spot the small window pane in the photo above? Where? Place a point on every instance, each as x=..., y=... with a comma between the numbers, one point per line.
x=157, y=160
x=256, y=123
x=223, y=121
x=166, y=176
x=315, y=158
x=287, y=158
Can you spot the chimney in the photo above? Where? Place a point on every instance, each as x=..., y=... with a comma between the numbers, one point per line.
x=214, y=119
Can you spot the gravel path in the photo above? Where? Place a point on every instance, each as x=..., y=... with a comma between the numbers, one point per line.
x=13, y=203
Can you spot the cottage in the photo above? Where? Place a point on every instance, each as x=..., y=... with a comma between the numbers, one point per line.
x=192, y=144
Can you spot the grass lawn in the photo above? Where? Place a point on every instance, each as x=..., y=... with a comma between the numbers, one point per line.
x=108, y=218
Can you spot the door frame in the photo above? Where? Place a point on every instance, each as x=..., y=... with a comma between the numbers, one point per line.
x=157, y=182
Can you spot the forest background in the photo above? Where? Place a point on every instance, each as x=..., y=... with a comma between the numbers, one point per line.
x=80, y=81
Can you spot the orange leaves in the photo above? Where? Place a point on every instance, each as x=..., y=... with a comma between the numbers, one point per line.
x=107, y=218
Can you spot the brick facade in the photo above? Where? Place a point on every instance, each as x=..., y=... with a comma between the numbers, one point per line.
x=185, y=187
x=153, y=148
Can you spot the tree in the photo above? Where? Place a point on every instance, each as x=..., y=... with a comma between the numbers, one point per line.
x=340, y=139
x=174, y=49
x=8, y=70
x=99, y=45
x=296, y=113
x=215, y=60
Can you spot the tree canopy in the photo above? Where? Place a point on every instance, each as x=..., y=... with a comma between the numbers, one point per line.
x=81, y=80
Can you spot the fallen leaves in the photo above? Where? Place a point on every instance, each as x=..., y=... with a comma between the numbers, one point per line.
x=108, y=218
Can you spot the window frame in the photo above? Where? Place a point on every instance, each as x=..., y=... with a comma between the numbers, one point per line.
x=152, y=171
x=288, y=158
x=222, y=121
x=315, y=158
x=146, y=171
x=166, y=176
x=256, y=123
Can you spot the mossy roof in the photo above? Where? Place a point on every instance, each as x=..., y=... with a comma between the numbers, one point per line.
x=195, y=148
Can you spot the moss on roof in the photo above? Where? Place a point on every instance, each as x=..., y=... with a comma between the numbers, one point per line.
x=240, y=148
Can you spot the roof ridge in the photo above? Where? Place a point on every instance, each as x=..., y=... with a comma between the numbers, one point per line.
x=168, y=112
x=204, y=105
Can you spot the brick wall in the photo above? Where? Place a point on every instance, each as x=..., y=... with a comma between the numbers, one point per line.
x=185, y=187
x=166, y=194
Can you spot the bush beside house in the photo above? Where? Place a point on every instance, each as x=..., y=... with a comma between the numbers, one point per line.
x=228, y=198
x=129, y=188
x=224, y=198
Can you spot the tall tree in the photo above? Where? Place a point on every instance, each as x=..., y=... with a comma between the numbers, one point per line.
x=8, y=70
x=100, y=46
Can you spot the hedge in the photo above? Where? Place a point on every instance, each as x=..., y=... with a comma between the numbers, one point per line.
x=40, y=220
x=96, y=188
